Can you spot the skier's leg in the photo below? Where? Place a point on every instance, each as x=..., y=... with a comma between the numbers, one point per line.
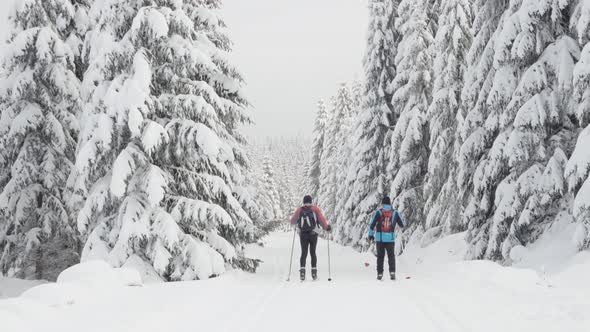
x=313, y=244
x=390, y=247
x=380, y=257
x=304, y=248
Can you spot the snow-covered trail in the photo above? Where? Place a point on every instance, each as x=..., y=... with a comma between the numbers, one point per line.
x=440, y=296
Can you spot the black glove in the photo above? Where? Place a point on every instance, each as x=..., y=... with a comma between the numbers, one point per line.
x=329, y=228
x=371, y=238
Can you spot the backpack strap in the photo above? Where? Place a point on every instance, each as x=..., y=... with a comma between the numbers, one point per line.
x=315, y=217
x=300, y=218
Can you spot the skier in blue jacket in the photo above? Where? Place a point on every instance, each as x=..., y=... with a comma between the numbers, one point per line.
x=382, y=230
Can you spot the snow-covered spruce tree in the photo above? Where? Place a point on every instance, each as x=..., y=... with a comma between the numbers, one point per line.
x=347, y=174
x=271, y=188
x=39, y=98
x=159, y=155
x=577, y=171
x=284, y=186
x=452, y=42
x=357, y=90
x=372, y=128
x=528, y=101
x=578, y=181
x=296, y=161
x=330, y=171
x=344, y=176
x=219, y=176
x=75, y=40
x=305, y=186
x=208, y=168
x=295, y=158
x=278, y=176
x=413, y=88
x=317, y=149
x=227, y=82
x=474, y=136
x=255, y=185
x=250, y=190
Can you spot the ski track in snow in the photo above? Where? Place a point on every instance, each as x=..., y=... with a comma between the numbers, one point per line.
x=431, y=307
x=448, y=297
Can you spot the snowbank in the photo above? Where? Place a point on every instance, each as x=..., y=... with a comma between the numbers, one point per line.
x=100, y=273
x=450, y=249
x=553, y=261
x=577, y=273
x=443, y=293
x=83, y=281
x=87, y=275
x=10, y=287
x=552, y=253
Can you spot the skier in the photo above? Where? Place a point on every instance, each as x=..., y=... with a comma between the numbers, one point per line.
x=308, y=219
x=382, y=230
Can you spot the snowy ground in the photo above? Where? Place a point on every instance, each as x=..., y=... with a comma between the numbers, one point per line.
x=443, y=294
x=15, y=287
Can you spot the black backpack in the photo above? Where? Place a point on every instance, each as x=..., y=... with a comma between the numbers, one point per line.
x=307, y=220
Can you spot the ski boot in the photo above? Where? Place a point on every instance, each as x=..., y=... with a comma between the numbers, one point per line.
x=380, y=276
x=314, y=274
x=392, y=275
x=302, y=274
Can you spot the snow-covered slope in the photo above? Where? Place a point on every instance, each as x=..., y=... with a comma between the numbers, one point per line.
x=10, y=287
x=442, y=294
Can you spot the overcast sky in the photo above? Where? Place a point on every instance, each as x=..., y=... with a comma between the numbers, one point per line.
x=5, y=5
x=292, y=53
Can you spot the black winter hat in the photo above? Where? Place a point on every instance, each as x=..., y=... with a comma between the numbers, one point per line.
x=386, y=200
x=307, y=199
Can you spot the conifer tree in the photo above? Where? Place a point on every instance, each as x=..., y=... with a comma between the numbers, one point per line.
x=39, y=98
x=341, y=106
x=529, y=101
x=412, y=96
x=474, y=136
x=452, y=42
x=577, y=172
x=317, y=150
x=160, y=162
x=270, y=188
x=345, y=177
x=372, y=125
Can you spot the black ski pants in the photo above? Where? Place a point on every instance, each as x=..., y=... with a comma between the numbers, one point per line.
x=382, y=248
x=309, y=242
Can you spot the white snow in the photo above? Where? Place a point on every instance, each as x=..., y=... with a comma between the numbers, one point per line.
x=443, y=293
x=155, y=21
x=553, y=252
x=146, y=271
x=80, y=283
x=10, y=287
x=97, y=272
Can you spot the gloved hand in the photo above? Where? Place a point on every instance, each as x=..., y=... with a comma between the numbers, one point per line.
x=329, y=228
x=371, y=238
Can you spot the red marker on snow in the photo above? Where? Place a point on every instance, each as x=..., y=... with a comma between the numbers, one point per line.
x=367, y=264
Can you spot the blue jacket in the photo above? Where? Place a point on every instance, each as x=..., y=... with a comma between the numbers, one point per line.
x=375, y=225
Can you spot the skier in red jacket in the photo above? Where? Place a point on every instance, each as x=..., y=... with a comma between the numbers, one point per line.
x=309, y=219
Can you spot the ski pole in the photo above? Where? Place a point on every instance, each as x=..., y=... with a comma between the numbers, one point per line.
x=292, y=248
x=329, y=267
